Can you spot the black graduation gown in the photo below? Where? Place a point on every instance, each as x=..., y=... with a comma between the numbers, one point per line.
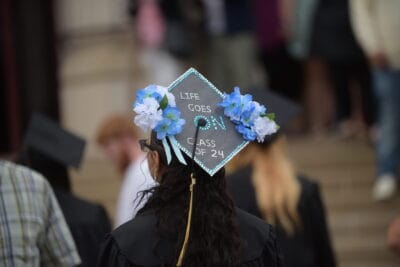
x=332, y=37
x=88, y=223
x=133, y=244
x=310, y=247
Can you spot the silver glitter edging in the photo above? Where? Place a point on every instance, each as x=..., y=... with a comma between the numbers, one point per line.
x=199, y=75
x=238, y=148
x=211, y=172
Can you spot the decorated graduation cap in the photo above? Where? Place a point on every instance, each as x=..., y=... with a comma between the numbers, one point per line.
x=192, y=116
x=227, y=121
x=49, y=139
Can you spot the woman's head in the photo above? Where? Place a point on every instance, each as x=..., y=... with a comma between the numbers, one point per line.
x=214, y=239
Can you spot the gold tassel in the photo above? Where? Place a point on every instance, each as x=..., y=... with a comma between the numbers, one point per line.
x=189, y=222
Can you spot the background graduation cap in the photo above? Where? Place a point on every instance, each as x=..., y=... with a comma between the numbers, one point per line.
x=285, y=109
x=46, y=137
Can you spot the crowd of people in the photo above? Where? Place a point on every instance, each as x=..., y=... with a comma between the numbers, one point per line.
x=337, y=58
x=333, y=63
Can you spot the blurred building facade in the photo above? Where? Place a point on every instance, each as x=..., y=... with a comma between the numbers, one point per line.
x=73, y=60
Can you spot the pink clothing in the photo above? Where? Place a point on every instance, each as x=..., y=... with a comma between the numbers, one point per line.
x=268, y=24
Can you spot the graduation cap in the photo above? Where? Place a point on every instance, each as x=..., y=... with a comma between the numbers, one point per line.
x=285, y=109
x=194, y=117
x=218, y=141
x=49, y=139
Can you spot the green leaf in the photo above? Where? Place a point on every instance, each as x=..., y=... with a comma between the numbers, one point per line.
x=271, y=116
x=164, y=102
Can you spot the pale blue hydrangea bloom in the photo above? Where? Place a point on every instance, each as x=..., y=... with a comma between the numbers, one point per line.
x=249, y=116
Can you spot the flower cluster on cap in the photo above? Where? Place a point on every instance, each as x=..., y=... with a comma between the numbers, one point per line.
x=251, y=118
x=156, y=110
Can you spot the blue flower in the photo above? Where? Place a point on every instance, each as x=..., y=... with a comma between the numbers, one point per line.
x=171, y=124
x=246, y=116
x=149, y=91
x=168, y=127
x=234, y=103
x=171, y=113
x=246, y=132
x=176, y=127
x=162, y=128
x=251, y=111
x=250, y=117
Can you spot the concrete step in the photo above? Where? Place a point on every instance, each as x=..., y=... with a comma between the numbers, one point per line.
x=308, y=151
x=369, y=263
x=350, y=226
x=346, y=172
x=333, y=175
x=367, y=248
x=356, y=200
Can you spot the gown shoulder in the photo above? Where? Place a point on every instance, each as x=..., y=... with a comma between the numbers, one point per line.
x=136, y=244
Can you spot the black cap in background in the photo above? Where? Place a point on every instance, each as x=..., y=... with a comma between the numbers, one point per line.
x=48, y=138
x=285, y=109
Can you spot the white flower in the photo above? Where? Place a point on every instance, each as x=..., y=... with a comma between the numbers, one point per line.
x=149, y=114
x=164, y=92
x=263, y=126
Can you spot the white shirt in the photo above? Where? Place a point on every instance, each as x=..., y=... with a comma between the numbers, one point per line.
x=136, y=179
x=377, y=27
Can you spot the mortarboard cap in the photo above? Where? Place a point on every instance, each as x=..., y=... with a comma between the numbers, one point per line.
x=48, y=138
x=285, y=109
x=196, y=118
x=218, y=141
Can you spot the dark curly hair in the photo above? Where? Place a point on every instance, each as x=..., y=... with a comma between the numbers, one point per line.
x=214, y=237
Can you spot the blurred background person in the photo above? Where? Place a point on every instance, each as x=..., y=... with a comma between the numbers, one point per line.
x=283, y=72
x=155, y=21
x=232, y=55
x=33, y=229
x=119, y=138
x=50, y=150
x=334, y=43
x=178, y=36
x=297, y=20
x=265, y=184
x=377, y=26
